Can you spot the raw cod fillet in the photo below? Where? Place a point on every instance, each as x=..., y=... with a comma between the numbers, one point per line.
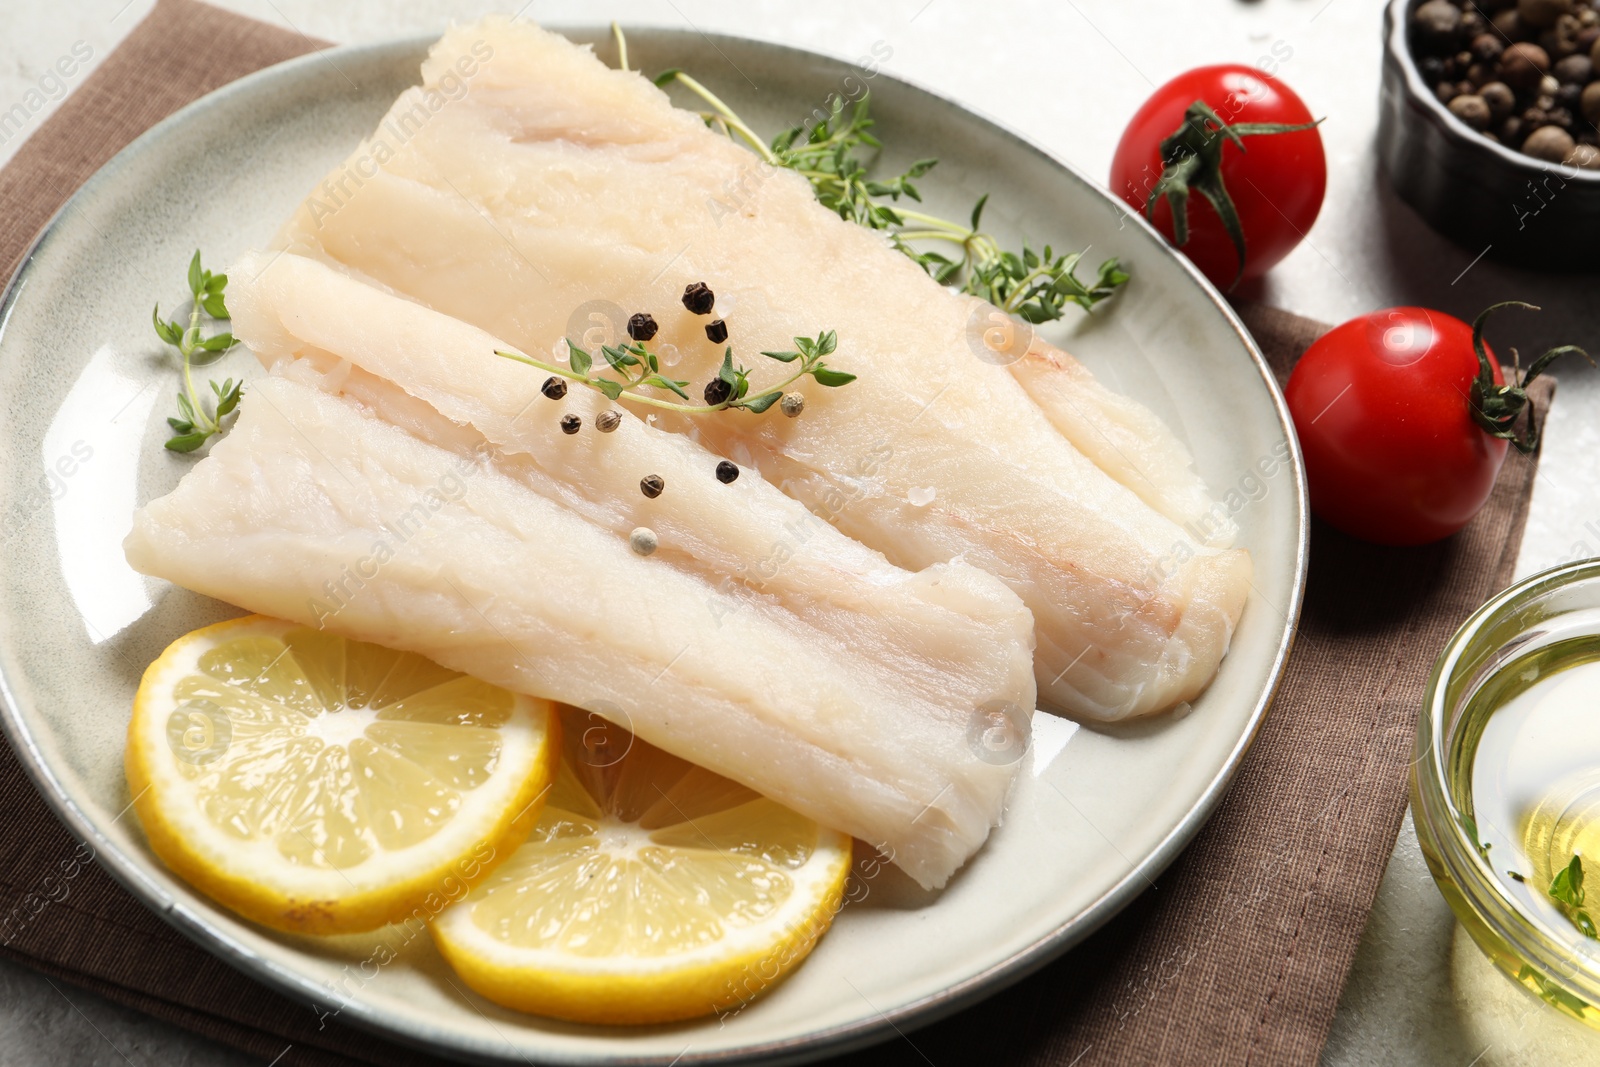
x=315, y=509
x=1125, y=439
x=515, y=197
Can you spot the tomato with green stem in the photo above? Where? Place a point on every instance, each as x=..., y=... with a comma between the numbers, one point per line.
x=1404, y=418
x=1248, y=146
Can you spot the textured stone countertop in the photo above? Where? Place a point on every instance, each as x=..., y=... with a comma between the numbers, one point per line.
x=1420, y=992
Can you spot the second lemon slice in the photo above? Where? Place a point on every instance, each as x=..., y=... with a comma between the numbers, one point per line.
x=322, y=785
x=650, y=890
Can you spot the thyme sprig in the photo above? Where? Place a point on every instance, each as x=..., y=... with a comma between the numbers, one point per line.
x=638, y=368
x=1035, y=286
x=196, y=423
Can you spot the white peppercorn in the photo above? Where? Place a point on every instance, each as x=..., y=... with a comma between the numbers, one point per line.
x=643, y=540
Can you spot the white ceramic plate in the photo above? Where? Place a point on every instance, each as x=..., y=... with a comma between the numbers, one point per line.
x=86, y=387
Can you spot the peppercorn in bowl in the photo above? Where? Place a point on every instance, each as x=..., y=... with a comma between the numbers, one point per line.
x=1488, y=123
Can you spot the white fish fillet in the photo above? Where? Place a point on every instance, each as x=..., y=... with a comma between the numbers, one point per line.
x=317, y=510
x=1125, y=439
x=513, y=198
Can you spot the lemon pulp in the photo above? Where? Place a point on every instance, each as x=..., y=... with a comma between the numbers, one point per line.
x=320, y=784
x=649, y=890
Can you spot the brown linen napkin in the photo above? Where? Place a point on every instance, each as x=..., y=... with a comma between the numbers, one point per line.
x=1236, y=955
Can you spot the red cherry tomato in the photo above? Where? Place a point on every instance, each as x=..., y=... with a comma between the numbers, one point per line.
x=1381, y=405
x=1276, y=183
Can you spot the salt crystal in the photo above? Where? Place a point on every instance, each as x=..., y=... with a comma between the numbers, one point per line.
x=921, y=498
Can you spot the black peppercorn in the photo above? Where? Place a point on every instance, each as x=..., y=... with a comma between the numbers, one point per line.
x=1523, y=66
x=554, y=388
x=1574, y=70
x=607, y=421
x=571, y=424
x=1542, y=13
x=1509, y=25
x=1549, y=143
x=651, y=485
x=1590, y=102
x=1436, y=23
x=717, y=331
x=1511, y=130
x=717, y=391
x=726, y=472
x=699, y=299
x=1432, y=68
x=1471, y=110
x=1500, y=98
x=1562, y=38
x=1569, y=96
x=641, y=327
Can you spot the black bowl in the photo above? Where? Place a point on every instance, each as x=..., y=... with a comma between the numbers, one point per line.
x=1474, y=191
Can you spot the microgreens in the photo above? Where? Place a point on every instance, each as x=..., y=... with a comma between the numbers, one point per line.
x=1035, y=286
x=195, y=424
x=639, y=368
x=1566, y=889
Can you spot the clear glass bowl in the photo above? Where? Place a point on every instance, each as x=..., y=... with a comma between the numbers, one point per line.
x=1553, y=606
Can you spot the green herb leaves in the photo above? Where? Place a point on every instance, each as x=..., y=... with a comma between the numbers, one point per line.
x=1032, y=285
x=1566, y=889
x=1036, y=287
x=639, y=368
x=195, y=422
x=825, y=157
x=811, y=352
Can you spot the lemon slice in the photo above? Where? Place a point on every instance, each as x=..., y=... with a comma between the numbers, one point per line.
x=321, y=785
x=650, y=890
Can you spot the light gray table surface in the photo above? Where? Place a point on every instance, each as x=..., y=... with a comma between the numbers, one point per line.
x=1067, y=73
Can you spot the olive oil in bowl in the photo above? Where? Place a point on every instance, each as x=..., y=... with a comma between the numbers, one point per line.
x=1536, y=780
x=1506, y=783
